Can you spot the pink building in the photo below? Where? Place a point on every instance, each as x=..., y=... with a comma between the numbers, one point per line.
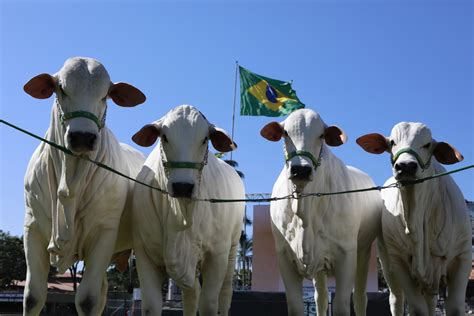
x=265, y=274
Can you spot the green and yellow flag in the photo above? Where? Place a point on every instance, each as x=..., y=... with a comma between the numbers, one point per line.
x=260, y=95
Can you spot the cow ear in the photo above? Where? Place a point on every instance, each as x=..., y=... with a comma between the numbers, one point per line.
x=447, y=154
x=273, y=131
x=220, y=140
x=147, y=135
x=373, y=143
x=40, y=87
x=334, y=136
x=126, y=95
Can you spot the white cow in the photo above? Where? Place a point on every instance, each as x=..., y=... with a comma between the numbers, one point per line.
x=178, y=236
x=426, y=227
x=73, y=208
x=319, y=236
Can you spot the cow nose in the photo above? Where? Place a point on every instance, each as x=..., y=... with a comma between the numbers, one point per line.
x=82, y=141
x=408, y=168
x=182, y=189
x=300, y=172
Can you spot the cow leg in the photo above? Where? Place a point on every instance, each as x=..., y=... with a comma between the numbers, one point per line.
x=430, y=303
x=214, y=268
x=91, y=293
x=396, y=297
x=151, y=280
x=360, y=286
x=293, y=284
x=225, y=297
x=37, y=262
x=345, y=276
x=321, y=293
x=458, y=277
x=191, y=299
x=416, y=301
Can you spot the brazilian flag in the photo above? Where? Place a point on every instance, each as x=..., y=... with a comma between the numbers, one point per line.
x=260, y=95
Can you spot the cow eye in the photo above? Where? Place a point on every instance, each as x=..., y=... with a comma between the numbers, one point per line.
x=62, y=91
x=392, y=143
x=286, y=133
x=164, y=138
x=427, y=145
x=205, y=140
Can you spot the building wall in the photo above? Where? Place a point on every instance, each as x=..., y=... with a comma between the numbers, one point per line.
x=265, y=275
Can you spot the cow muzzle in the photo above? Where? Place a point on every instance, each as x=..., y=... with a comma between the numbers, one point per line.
x=300, y=173
x=82, y=142
x=405, y=170
x=182, y=190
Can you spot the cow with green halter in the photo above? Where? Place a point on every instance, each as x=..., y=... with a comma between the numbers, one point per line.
x=426, y=226
x=320, y=236
x=73, y=208
x=176, y=235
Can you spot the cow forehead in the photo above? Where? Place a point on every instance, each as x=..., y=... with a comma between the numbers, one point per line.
x=84, y=74
x=304, y=122
x=186, y=122
x=411, y=133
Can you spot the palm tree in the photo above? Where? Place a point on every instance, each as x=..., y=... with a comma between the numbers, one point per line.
x=244, y=255
x=73, y=271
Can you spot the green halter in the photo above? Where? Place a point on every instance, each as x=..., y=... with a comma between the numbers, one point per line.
x=408, y=150
x=307, y=154
x=88, y=115
x=184, y=164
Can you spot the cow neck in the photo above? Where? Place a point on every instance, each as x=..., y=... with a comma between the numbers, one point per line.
x=179, y=213
x=67, y=177
x=179, y=250
x=314, y=210
x=426, y=226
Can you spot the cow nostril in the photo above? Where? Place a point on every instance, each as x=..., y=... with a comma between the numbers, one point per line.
x=90, y=139
x=300, y=172
x=407, y=167
x=182, y=189
x=82, y=141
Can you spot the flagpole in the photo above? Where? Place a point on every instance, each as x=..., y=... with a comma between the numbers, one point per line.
x=235, y=94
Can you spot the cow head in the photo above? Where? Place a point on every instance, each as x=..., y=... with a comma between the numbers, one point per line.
x=82, y=87
x=411, y=148
x=185, y=134
x=304, y=134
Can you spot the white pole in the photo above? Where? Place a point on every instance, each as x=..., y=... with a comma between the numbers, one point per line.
x=235, y=94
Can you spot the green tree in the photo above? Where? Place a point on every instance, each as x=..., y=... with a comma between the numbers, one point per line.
x=230, y=162
x=244, y=257
x=12, y=259
x=123, y=281
x=73, y=271
x=244, y=253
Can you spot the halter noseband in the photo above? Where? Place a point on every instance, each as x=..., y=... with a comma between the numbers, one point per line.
x=408, y=150
x=183, y=164
x=307, y=154
x=88, y=115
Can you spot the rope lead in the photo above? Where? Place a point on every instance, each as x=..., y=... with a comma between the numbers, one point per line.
x=257, y=200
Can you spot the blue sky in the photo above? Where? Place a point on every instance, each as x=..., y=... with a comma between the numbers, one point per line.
x=363, y=65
